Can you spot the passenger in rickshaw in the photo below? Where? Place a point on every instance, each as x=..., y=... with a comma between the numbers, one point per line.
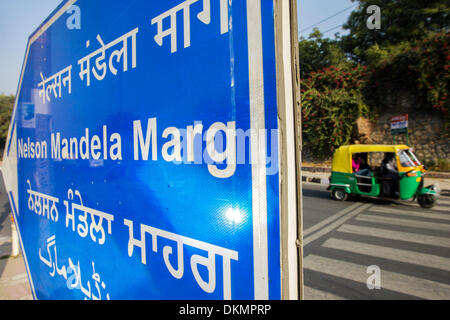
x=389, y=172
x=362, y=172
x=359, y=164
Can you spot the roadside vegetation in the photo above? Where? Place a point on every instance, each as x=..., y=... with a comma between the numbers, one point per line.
x=6, y=106
x=354, y=75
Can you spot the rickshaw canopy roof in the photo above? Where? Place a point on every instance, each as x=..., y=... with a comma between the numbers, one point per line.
x=342, y=158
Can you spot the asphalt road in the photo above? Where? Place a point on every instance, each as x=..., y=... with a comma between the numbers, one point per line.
x=407, y=247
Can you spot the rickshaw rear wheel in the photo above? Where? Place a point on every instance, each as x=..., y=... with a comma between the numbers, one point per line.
x=339, y=195
x=426, y=201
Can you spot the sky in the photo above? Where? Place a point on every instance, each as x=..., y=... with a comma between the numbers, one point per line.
x=19, y=18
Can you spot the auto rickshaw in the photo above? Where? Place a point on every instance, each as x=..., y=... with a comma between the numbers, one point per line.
x=373, y=179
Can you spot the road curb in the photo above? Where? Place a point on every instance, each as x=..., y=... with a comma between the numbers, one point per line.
x=326, y=181
x=315, y=180
x=429, y=174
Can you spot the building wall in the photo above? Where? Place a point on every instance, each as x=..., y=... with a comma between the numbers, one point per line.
x=424, y=133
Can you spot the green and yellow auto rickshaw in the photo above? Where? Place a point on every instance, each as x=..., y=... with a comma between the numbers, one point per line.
x=387, y=171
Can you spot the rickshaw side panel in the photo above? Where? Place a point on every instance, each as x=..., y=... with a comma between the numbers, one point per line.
x=409, y=185
x=348, y=182
x=374, y=192
x=410, y=174
x=342, y=180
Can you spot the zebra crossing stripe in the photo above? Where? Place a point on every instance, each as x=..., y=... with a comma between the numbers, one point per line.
x=440, y=208
x=405, y=256
x=315, y=294
x=396, y=235
x=335, y=224
x=400, y=283
x=411, y=213
x=328, y=220
x=441, y=200
x=4, y=240
x=404, y=222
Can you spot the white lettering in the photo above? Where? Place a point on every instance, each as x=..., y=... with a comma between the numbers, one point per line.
x=84, y=148
x=228, y=155
x=174, y=142
x=31, y=149
x=150, y=137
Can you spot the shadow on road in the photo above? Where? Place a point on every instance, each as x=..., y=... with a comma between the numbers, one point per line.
x=320, y=192
x=314, y=193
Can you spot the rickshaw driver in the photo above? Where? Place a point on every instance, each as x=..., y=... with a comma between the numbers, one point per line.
x=389, y=170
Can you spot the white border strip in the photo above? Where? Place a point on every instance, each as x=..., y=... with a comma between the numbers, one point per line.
x=52, y=20
x=258, y=150
x=291, y=183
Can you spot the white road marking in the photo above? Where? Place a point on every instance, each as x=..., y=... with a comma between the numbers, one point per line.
x=409, y=285
x=4, y=240
x=396, y=235
x=315, y=294
x=328, y=220
x=410, y=213
x=406, y=256
x=404, y=222
x=335, y=224
x=441, y=200
x=439, y=208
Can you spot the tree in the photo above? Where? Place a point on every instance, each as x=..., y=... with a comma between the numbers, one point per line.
x=401, y=20
x=419, y=67
x=317, y=53
x=365, y=72
x=6, y=107
x=332, y=100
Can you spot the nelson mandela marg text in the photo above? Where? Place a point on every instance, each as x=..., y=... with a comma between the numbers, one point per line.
x=221, y=146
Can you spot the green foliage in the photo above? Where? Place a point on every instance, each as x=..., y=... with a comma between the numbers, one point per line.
x=443, y=165
x=317, y=53
x=439, y=165
x=401, y=20
x=433, y=69
x=331, y=102
x=419, y=67
x=6, y=106
x=407, y=58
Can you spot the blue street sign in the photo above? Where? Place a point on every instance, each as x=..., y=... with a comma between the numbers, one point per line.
x=142, y=160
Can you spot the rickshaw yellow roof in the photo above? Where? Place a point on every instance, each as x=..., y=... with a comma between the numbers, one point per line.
x=342, y=158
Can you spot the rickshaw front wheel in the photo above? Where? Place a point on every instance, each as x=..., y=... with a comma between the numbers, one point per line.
x=339, y=195
x=426, y=200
